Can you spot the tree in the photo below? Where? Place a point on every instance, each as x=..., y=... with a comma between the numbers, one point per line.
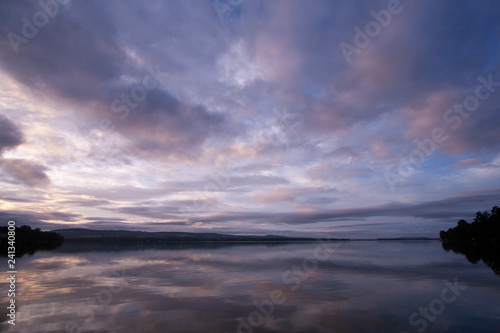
x=477, y=240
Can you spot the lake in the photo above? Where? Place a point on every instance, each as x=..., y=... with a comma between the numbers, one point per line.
x=356, y=286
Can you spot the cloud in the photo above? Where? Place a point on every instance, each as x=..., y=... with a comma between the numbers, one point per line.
x=422, y=118
x=86, y=202
x=16, y=199
x=319, y=201
x=293, y=194
x=18, y=170
x=449, y=209
x=164, y=212
x=93, y=47
x=326, y=171
x=276, y=195
x=160, y=126
x=144, y=107
x=164, y=126
x=25, y=172
x=10, y=135
x=467, y=163
x=43, y=220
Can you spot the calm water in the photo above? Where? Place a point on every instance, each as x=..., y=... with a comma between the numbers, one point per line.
x=302, y=287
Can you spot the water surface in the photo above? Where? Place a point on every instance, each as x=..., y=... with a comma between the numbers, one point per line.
x=357, y=286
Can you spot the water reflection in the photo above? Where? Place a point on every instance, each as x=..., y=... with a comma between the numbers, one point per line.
x=355, y=287
x=490, y=255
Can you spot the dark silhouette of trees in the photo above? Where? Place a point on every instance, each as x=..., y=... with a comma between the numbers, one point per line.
x=29, y=240
x=479, y=240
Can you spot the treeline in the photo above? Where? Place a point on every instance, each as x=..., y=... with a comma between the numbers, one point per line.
x=479, y=240
x=484, y=230
x=29, y=240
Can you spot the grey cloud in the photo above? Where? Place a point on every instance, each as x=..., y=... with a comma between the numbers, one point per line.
x=16, y=199
x=10, y=135
x=21, y=171
x=357, y=225
x=104, y=219
x=40, y=220
x=24, y=172
x=111, y=223
x=87, y=202
x=319, y=201
x=162, y=125
x=93, y=52
x=151, y=212
x=286, y=194
x=405, y=64
x=165, y=125
x=450, y=209
x=214, y=183
x=165, y=224
x=344, y=152
x=47, y=62
x=97, y=58
x=253, y=167
x=256, y=180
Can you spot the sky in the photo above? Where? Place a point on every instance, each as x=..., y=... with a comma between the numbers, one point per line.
x=357, y=119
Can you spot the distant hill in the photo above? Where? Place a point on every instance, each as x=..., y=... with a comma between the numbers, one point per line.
x=81, y=234
x=87, y=235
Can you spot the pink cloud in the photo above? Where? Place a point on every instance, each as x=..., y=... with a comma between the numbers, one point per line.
x=422, y=117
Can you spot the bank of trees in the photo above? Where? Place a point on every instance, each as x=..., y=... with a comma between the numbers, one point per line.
x=484, y=230
x=479, y=240
x=28, y=240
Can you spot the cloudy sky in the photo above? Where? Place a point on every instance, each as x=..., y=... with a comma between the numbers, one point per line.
x=343, y=118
